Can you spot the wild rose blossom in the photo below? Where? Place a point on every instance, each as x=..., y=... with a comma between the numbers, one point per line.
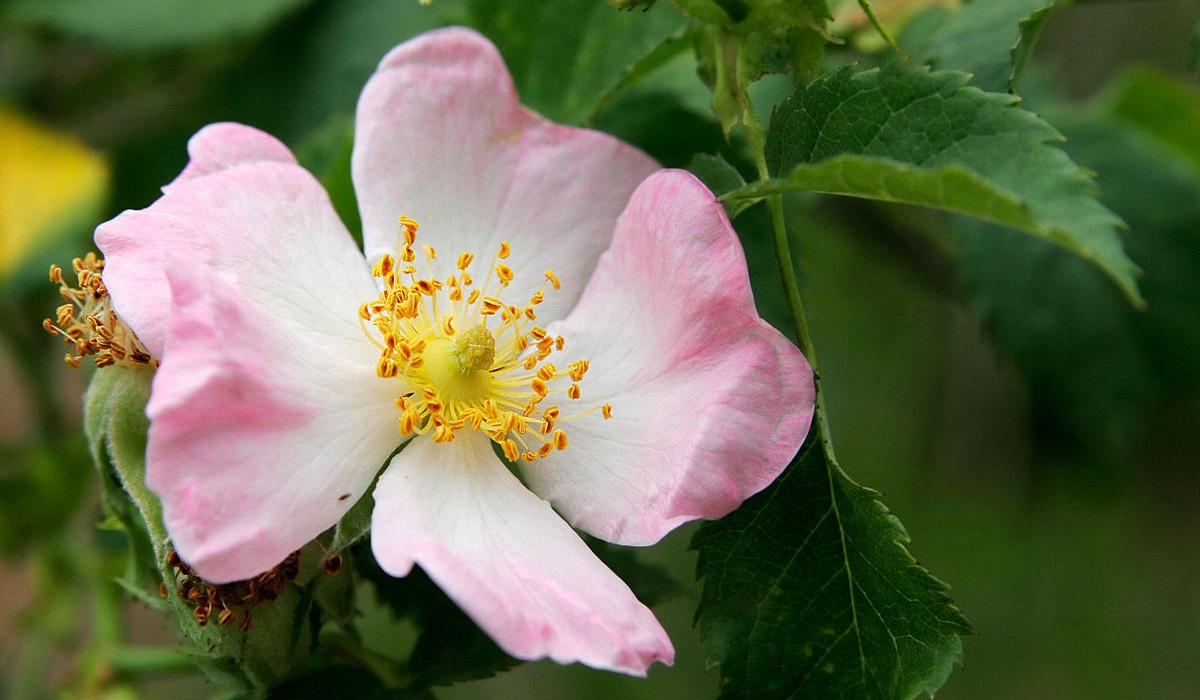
x=520, y=293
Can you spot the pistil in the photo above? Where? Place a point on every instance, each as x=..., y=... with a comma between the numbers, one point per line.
x=470, y=360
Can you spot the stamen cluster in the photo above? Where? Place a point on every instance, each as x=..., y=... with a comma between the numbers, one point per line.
x=88, y=321
x=234, y=600
x=469, y=359
x=229, y=601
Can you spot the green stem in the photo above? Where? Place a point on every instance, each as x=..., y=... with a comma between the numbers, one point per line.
x=144, y=661
x=787, y=271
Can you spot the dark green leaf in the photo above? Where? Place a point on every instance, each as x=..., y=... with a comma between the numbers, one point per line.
x=973, y=147
x=162, y=24
x=40, y=486
x=1163, y=107
x=987, y=38
x=651, y=584
x=451, y=648
x=661, y=124
x=1094, y=365
x=326, y=154
x=567, y=57
x=810, y=592
x=339, y=682
x=721, y=177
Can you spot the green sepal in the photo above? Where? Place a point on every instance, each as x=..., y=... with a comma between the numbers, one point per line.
x=811, y=592
x=280, y=639
x=738, y=42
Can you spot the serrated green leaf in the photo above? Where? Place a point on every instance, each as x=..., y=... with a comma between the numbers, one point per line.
x=987, y=38
x=951, y=188
x=810, y=592
x=1031, y=29
x=974, y=148
x=158, y=25
x=567, y=57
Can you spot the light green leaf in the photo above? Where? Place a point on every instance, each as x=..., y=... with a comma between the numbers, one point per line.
x=950, y=187
x=157, y=25
x=935, y=141
x=568, y=57
x=810, y=592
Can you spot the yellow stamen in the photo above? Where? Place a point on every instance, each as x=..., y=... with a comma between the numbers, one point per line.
x=88, y=322
x=468, y=360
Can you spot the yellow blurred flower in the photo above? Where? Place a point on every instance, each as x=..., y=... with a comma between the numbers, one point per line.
x=49, y=183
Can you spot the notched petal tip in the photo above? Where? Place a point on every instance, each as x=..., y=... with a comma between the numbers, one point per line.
x=445, y=46
x=223, y=145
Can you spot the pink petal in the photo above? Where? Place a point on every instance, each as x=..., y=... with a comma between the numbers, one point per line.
x=710, y=403
x=441, y=138
x=262, y=224
x=507, y=559
x=220, y=146
x=260, y=437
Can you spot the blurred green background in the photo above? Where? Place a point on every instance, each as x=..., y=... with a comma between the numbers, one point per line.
x=1075, y=553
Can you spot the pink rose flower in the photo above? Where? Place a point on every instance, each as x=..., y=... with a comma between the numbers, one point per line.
x=634, y=385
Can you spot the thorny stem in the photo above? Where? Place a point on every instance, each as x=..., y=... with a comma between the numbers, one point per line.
x=787, y=271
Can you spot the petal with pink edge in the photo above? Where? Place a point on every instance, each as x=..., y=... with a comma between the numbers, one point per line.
x=709, y=402
x=507, y=559
x=441, y=138
x=220, y=146
x=260, y=437
x=264, y=225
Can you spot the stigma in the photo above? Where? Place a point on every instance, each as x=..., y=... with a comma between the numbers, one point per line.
x=468, y=359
